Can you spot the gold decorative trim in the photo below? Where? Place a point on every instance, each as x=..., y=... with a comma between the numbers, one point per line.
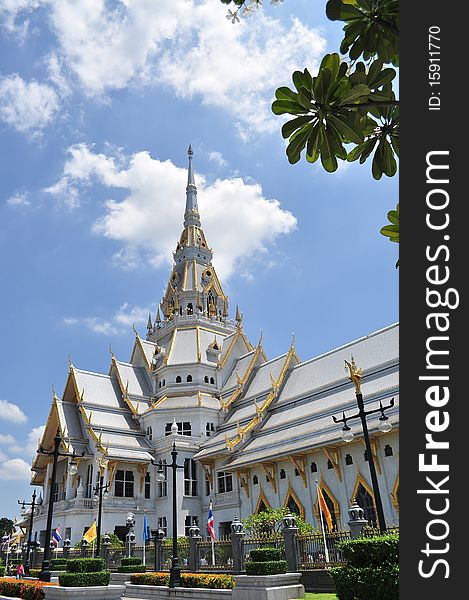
x=242, y=431
x=332, y=453
x=241, y=382
x=395, y=494
x=197, y=337
x=291, y=494
x=171, y=345
x=263, y=499
x=208, y=467
x=112, y=471
x=243, y=480
x=270, y=473
x=325, y=488
x=361, y=480
x=194, y=274
x=299, y=460
x=142, y=469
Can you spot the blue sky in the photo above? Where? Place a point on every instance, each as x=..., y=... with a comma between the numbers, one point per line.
x=98, y=103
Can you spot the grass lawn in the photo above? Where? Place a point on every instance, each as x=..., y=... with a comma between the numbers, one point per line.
x=311, y=596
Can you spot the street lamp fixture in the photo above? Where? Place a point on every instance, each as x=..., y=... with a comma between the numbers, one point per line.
x=100, y=490
x=45, y=575
x=33, y=505
x=175, y=570
x=384, y=426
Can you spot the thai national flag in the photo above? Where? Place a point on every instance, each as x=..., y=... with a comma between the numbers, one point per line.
x=56, y=538
x=6, y=543
x=211, y=523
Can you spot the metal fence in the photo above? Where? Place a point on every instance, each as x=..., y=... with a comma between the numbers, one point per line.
x=309, y=550
x=312, y=553
x=219, y=559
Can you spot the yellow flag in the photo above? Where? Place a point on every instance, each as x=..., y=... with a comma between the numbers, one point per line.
x=325, y=509
x=91, y=534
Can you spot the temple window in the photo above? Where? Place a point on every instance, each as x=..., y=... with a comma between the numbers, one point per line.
x=348, y=459
x=255, y=480
x=388, y=450
x=189, y=378
x=206, y=379
x=178, y=379
x=224, y=481
x=282, y=474
x=314, y=467
x=365, y=501
x=124, y=485
x=212, y=380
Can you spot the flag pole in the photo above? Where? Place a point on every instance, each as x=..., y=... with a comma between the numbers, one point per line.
x=213, y=552
x=144, y=535
x=326, y=551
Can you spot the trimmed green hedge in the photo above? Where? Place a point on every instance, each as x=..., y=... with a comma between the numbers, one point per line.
x=363, y=583
x=271, y=567
x=216, y=581
x=372, y=570
x=131, y=560
x=34, y=572
x=131, y=569
x=84, y=579
x=369, y=551
x=85, y=565
x=265, y=554
x=58, y=564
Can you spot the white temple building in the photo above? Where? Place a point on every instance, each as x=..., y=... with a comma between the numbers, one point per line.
x=252, y=432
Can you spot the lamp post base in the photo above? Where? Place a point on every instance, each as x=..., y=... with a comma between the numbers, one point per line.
x=175, y=576
x=45, y=576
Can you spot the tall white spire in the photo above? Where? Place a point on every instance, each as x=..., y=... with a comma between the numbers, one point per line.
x=191, y=215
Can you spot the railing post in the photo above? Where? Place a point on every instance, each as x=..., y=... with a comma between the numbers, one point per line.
x=357, y=521
x=83, y=547
x=158, y=539
x=66, y=549
x=105, y=549
x=290, y=536
x=194, y=539
x=237, y=544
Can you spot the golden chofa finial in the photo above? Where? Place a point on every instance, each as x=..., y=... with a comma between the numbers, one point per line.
x=355, y=374
x=70, y=360
x=111, y=352
x=135, y=331
x=55, y=397
x=260, y=339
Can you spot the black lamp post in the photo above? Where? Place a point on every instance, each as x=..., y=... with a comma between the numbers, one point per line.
x=44, y=575
x=99, y=489
x=32, y=504
x=175, y=570
x=347, y=435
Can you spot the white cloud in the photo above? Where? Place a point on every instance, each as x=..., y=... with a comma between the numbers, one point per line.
x=19, y=199
x=128, y=315
x=187, y=46
x=28, y=107
x=10, y=10
x=7, y=438
x=11, y=412
x=118, y=324
x=15, y=469
x=238, y=219
x=217, y=158
x=34, y=436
